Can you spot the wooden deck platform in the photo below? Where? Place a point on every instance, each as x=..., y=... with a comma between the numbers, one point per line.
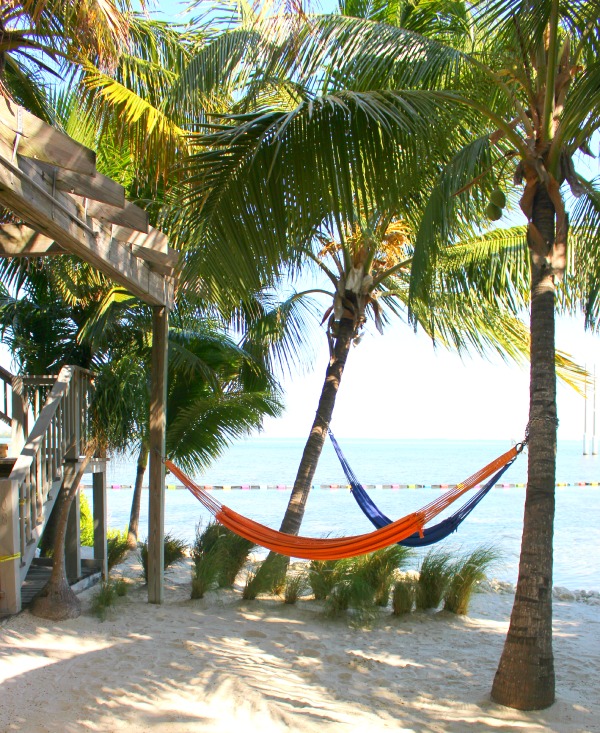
x=39, y=573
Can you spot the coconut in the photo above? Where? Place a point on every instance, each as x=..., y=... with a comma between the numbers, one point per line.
x=493, y=212
x=498, y=198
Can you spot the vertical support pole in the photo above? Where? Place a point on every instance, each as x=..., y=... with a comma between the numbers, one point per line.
x=10, y=546
x=100, y=520
x=19, y=417
x=158, y=414
x=73, y=536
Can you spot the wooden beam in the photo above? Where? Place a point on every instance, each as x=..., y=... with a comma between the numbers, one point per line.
x=158, y=422
x=39, y=140
x=24, y=191
x=19, y=240
x=96, y=186
x=128, y=215
x=154, y=240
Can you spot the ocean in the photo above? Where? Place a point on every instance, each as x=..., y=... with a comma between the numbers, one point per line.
x=496, y=521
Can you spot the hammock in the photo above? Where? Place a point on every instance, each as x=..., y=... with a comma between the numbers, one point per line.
x=311, y=548
x=430, y=535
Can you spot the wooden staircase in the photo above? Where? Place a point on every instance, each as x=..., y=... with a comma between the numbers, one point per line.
x=43, y=457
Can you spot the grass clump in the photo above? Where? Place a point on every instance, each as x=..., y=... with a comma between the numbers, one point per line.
x=467, y=572
x=294, y=585
x=218, y=555
x=403, y=596
x=434, y=575
x=174, y=552
x=121, y=587
x=116, y=547
x=322, y=577
x=268, y=578
x=364, y=582
x=104, y=600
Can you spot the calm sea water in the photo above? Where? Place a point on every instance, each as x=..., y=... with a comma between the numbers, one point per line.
x=497, y=520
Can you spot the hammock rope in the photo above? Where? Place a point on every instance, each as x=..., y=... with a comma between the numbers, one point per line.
x=329, y=548
x=430, y=535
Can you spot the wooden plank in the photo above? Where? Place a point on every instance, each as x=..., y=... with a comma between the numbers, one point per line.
x=41, y=141
x=129, y=215
x=19, y=240
x=73, y=532
x=154, y=240
x=100, y=513
x=25, y=192
x=158, y=421
x=10, y=556
x=96, y=186
x=166, y=260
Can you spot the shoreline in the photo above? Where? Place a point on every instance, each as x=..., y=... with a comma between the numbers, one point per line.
x=221, y=664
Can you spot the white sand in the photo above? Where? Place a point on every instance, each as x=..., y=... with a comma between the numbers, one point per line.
x=222, y=664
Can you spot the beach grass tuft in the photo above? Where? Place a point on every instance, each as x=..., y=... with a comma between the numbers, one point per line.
x=403, y=596
x=294, y=585
x=174, y=551
x=116, y=547
x=322, y=577
x=434, y=576
x=205, y=553
x=104, y=600
x=467, y=572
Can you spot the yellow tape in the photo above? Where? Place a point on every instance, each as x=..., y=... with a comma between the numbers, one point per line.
x=7, y=558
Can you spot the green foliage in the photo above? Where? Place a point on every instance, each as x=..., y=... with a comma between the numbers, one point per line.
x=322, y=577
x=121, y=587
x=363, y=582
x=174, y=552
x=466, y=573
x=86, y=521
x=205, y=571
x=104, y=600
x=379, y=569
x=251, y=587
x=403, y=596
x=116, y=547
x=434, y=575
x=294, y=585
x=226, y=550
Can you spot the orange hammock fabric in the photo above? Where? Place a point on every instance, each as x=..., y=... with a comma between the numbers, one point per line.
x=313, y=548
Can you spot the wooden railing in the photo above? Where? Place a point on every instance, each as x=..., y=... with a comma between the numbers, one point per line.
x=59, y=433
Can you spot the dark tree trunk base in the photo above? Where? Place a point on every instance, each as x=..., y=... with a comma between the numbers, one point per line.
x=56, y=602
x=533, y=688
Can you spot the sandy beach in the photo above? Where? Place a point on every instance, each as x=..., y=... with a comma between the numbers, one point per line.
x=226, y=665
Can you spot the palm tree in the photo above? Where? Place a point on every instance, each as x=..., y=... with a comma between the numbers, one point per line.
x=365, y=128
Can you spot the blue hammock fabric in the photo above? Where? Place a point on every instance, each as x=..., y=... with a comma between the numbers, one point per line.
x=432, y=534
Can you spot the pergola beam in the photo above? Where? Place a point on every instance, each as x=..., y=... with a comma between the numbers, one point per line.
x=19, y=240
x=27, y=134
x=26, y=192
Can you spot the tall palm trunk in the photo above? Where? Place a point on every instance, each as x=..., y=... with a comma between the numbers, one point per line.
x=525, y=675
x=294, y=513
x=273, y=569
x=134, y=516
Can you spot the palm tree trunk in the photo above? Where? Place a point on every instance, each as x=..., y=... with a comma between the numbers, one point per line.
x=57, y=601
x=134, y=516
x=294, y=513
x=525, y=675
x=271, y=573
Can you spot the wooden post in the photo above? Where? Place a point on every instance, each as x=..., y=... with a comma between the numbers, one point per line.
x=19, y=417
x=73, y=537
x=158, y=414
x=100, y=520
x=10, y=543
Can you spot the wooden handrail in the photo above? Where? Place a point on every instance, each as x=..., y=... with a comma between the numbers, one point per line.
x=58, y=434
